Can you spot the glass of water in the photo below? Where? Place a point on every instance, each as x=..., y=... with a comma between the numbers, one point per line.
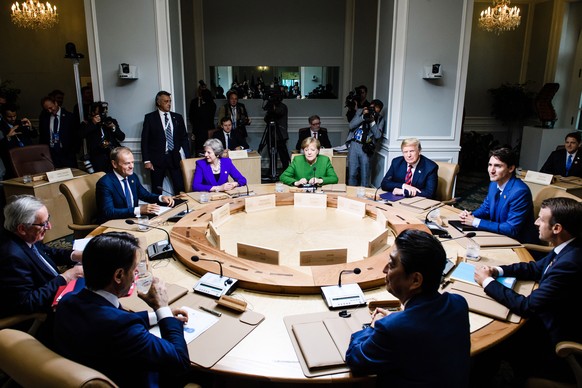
x=473, y=250
x=143, y=282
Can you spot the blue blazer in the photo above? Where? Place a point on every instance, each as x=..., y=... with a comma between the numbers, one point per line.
x=556, y=299
x=414, y=347
x=515, y=216
x=91, y=331
x=204, y=177
x=26, y=284
x=425, y=177
x=111, y=203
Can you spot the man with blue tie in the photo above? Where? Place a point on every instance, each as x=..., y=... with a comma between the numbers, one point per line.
x=552, y=308
x=118, y=192
x=508, y=207
x=29, y=277
x=566, y=161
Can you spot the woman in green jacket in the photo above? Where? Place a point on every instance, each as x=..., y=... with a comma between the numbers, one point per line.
x=309, y=169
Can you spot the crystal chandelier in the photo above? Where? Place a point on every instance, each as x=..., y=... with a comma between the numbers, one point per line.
x=500, y=18
x=34, y=14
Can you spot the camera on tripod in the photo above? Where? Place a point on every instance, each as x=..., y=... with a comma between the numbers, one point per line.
x=353, y=97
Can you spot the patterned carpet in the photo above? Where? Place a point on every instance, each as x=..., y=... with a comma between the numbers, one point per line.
x=471, y=189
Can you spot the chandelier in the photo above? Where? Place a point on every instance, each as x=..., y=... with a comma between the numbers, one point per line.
x=34, y=14
x=500, y=18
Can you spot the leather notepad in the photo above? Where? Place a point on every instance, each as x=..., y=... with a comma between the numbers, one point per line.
x=316, y=345
x=478, y=301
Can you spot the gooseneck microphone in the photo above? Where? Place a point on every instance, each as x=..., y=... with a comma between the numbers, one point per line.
x=132, y=222
x=376, y=192
x=154, y=252
x=468, y=235
x=181, y=201
x=355, y=270
x=197, y=258
x=314, y=180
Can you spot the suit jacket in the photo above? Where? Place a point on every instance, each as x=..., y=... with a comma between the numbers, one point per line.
x=91, y=331
x=26, y=284
x=556, y=164
x=235, y=140
x=300, y=168
x=554, y=301
x=242, y=118
x=153, y=138
x=111, y=203
x=425, y=177
x=204, y=177
x=304, y=133
x=68, y=136
x=514, y=217
x=425, y=345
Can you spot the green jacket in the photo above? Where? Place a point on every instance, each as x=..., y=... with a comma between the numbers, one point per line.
x=300, y=168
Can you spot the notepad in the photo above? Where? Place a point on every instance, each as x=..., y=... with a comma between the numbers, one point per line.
x=465, y=272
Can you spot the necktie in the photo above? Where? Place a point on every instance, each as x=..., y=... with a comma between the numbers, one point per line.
x=56, y=124
x=315, y=135
x=233, y=116
x=496, y=205
x=552, y=260
x=228, y=141
x=408, y=179
x=169, y=137
x=43, y=260
x=568, y=164
x=127, y=193
x=55, y=135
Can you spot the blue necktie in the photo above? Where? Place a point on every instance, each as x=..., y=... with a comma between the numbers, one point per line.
x=496, y=205
x=127, y=193
x=43, y=260
x=169, y=137
x=568, y=164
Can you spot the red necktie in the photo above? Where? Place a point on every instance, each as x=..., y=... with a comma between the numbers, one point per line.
x=408, y=179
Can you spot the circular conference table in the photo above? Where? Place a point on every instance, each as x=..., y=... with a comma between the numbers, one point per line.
x=289, y=288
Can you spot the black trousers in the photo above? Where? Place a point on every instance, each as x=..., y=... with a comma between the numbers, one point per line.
x=168, y=167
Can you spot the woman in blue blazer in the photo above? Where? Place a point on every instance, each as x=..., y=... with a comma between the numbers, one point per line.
x=213, y=171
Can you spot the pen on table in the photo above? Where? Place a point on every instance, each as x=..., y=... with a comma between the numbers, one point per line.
x=215, y=313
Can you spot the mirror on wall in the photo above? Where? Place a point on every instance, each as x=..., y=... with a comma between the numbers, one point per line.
x=256, y=82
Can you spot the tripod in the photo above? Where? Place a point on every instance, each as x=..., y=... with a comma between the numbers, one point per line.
x=270, y=137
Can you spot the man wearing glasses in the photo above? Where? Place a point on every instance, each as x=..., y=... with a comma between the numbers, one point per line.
x=29, y=277
x=314, y=130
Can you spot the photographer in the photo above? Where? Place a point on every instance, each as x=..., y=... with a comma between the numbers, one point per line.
x=237, y=112
x=16, y=133
x=277, y=113
x=356, y=100
x=102, y=134
x=365, y=128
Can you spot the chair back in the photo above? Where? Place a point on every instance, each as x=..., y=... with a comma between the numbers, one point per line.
x=550, y=192
x=30, y=364
x=31, y=160
x=80, y=195
x=447, y=180
x=188, y=166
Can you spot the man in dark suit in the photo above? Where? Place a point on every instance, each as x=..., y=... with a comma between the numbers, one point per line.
x=508, y=207
x=551, y=308
x=237, y=112
x=15, y=133
x=58, y=130
x=226, y=135
x=91, y=327
x=567, y=161
x=114, y=200
x=411, y=174
x=29, y=277
x=314, y=130
x=163, y=137
x=408, y=348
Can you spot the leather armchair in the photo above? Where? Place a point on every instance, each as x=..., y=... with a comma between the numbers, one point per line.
x=447, y=180
x=31, y=160
x=188, y=166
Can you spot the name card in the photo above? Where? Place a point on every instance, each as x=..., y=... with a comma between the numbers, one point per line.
x=59, y=175
x=538, y=177
x=381, y=219
x=323, y=256
x=220, y=215
x=238, y=154
x=263, y=202
x=214, y=234
x=378, y=243
x=310, y=200
x=256, y=253
x=347, y=205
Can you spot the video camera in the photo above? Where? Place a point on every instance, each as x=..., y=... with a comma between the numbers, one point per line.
x=271, y=98
x=101, y=108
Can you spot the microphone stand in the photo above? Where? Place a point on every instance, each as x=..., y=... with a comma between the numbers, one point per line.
x=154, y=252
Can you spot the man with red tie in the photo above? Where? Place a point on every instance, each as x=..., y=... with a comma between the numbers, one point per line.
x=411, y=174
x=315, y=131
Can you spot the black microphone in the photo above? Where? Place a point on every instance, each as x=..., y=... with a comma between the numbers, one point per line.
x=165, y=191
x=167, y=247
x=314, y=180
x=242, y=195
x=179, y=200
x=468, y=235
x=197, y=258
x=376, y=192
x=42, y=155
x=355, y=270
x=153, y=250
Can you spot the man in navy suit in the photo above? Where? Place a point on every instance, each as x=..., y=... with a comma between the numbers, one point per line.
x=508, y=207
x=567, y=161
x=314, y=130
x=427, y=344
x=29, y=277
x=552, y=308
x=411, y=174
x=164, y=142
x=235, y=141
x=114, y=200
x=93, y=329
x=58, y=130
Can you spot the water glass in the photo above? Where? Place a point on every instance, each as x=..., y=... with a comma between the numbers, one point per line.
x=27, y=179
x=143, y=282
x=279, y=187
x=143, y=223
x=361, y=192
x=473, y=251
x=204, y=197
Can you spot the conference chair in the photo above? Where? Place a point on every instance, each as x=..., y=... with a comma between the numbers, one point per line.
x=31, y=160
x=188, y=166
x=80, y=195
x=447, y=181
x=568, y=350
x=8, y=322
x=30, y=364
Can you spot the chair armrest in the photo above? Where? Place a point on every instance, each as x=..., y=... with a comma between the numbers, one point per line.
x=16, y=319
x=74, y=227
x=565, y=348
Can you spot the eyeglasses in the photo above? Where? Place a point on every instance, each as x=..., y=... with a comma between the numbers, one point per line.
x=44, y=224
x=316, y=123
